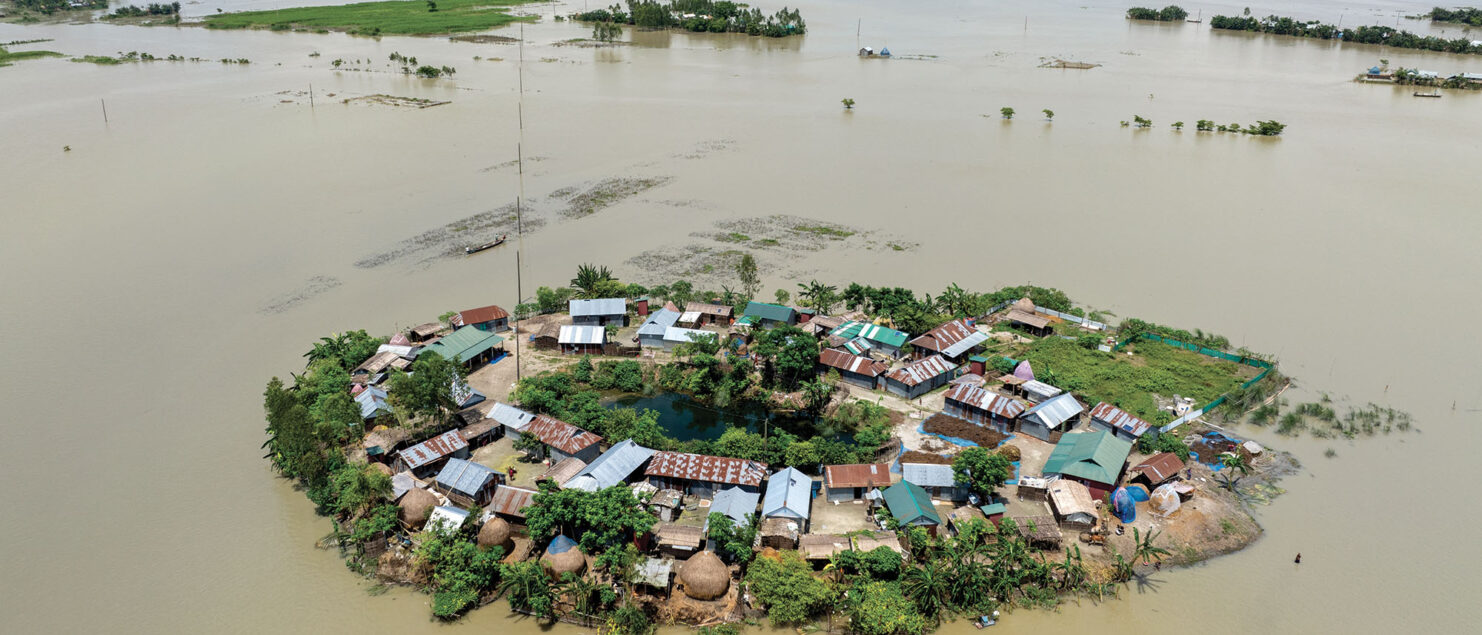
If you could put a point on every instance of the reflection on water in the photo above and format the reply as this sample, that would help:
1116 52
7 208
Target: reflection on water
684 418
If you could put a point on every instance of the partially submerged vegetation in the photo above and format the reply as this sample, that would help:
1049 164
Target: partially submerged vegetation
395 17
8 57
1170 13
700 16
1275 25
1461 15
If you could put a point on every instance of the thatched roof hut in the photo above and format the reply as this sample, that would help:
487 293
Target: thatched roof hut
704 576
416 506
562 556
495 533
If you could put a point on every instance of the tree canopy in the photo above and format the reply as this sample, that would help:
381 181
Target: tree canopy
983 472
597 520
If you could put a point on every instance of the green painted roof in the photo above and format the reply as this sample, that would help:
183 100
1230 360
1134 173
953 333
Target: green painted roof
746 320
978 358
1095 456
464 344
996 508
881 334
909 503
764 311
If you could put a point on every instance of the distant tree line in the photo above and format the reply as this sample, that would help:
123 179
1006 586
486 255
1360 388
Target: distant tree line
1466 15
1170 13
700 16
1382 35
131 11
49 7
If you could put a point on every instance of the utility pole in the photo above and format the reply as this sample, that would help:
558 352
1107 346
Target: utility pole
519 196
105 110
311 96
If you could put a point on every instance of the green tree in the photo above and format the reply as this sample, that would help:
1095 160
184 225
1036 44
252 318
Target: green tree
782 296
357 489
598 519
816 395
732 541
1049 114
461 571
880 608
1144 549
981 471
848 103
746 271
596 282
929 585
428 389
785 586
528 588
584 370
817 295
1008 113
346 350
1232 462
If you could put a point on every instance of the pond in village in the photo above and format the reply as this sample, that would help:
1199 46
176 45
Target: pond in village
685 418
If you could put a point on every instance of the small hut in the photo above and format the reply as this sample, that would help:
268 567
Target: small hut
562 556
495 533
416 506
704 576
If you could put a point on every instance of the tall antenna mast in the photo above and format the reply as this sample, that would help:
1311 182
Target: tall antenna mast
519 197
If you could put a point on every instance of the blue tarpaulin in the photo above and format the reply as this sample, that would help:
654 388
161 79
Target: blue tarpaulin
1123 505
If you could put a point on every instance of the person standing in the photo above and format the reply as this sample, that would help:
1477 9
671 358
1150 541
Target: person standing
1298 560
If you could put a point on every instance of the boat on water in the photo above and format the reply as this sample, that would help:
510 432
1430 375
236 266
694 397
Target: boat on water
1434 94
488 245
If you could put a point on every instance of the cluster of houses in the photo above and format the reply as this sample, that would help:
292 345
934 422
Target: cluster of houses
819 515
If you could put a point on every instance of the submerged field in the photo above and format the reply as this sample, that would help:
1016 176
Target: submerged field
8 57
375 18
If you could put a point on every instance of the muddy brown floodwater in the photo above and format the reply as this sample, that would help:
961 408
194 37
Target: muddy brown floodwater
191 247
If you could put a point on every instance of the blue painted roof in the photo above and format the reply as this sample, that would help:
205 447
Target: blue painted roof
657 322
465 477
788 495
737 504
613 467
371 400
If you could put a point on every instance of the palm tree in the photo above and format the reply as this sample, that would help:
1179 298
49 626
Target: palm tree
1232 461
854 295
529 588
816 394
1144 549
815 294
589 279
928 585
583 593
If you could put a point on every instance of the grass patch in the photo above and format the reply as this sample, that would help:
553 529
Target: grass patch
103 60
824 231
733 237
7 57
1130 381
769 242
376 18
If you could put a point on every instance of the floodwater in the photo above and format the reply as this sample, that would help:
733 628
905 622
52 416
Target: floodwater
684 418
195 244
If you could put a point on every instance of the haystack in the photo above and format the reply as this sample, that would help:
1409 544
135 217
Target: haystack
382 468
1010 452
1023 304
705 577
495 533
416 506
562 556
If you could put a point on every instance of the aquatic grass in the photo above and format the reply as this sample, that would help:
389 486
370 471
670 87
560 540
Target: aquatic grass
102 60
409 17
7 57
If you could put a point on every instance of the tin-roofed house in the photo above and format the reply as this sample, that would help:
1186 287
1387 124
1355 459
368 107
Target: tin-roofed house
651 333
1156 470
1073 505
920 377
853 482
489 318
789 497
372 402
861 337
736 504
938 480
1096 459
701 475
911 505
956 340
1022 315
467 483
561 440
510 418
1117 421
978 405
468 346
510 502
582 339
612 468
1038 391
1044 420
707 313
860 371
424 459
763 315
674 336
600 312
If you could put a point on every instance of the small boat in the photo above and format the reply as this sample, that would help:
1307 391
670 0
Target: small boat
488 245
1434 94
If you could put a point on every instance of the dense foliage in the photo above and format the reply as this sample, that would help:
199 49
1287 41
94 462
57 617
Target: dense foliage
1129 382
1154 442
982 471
1384 35
1132 328
785 586
1465 15
49 7
1170 13
598 521
131 11
732 540
378 18
700 16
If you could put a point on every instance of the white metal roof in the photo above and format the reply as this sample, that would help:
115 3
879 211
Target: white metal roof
585 334
510 416
603 306
928 474
965 344
678 334
788 494
445 518
657 322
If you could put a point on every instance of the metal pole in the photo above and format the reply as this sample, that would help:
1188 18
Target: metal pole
105 110
520 195
311 96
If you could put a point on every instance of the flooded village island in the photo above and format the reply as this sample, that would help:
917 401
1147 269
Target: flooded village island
620 456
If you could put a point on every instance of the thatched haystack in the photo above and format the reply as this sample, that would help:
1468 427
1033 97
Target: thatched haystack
495 533
416 506
562 556
1023 304
1010 452
705 577
382 468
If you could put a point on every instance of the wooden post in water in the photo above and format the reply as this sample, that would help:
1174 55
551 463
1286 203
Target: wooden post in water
311 96
105 109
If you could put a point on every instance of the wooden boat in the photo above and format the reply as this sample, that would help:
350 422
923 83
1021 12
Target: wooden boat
488 245
1434 94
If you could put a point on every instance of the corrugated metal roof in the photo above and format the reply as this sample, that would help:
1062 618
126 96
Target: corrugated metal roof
612 468
510 416
951 339
1119 419
603 306
872 332
710 469
401 483
928 474
718 310
1016 315
789 493
560 435
1041 388
372 400
922 370
444 519
657 322
764 311
433 449
852 363
479 315
1096 456
563 471
857 475
1056 410
689 317
377 362
981 399
1072 497
464 344
511 501
911 505
465 477
737 504
582 334
1160 467
682 335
